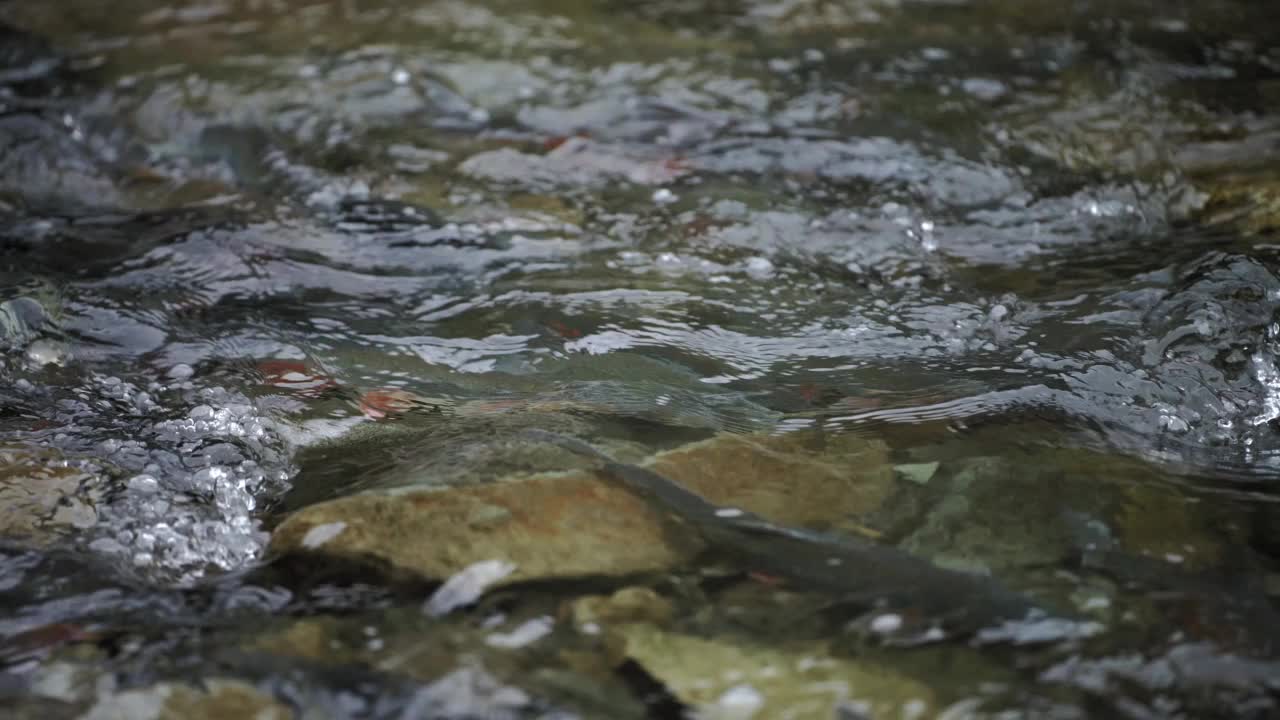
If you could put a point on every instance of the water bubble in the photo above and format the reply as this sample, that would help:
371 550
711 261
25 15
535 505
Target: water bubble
144 483
759 267
663 196
985 88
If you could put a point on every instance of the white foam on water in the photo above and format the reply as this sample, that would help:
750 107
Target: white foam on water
197 479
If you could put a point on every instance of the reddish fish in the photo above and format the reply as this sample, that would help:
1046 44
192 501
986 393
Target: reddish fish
385 402
295 376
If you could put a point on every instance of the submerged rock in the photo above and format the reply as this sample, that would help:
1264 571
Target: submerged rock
42 496
426 449
630 604
218 699
1250 204
548 526
453 666
41 162
722 678
781 478
20 319
1158 522
572 524
993 514
24 318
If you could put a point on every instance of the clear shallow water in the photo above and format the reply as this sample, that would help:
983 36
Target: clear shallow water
1029 243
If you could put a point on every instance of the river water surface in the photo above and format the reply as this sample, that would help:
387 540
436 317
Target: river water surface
946 308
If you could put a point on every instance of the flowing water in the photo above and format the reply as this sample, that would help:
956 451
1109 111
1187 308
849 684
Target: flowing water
984 290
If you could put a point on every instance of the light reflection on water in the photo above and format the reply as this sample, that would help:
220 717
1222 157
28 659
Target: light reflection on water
233 233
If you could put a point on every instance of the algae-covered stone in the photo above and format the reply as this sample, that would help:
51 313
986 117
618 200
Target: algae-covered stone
729 678
548 526
780 478
217 700
628 605
993 514
313 638
1162 523
1251 204
1043 507
42 496
405 643
559 525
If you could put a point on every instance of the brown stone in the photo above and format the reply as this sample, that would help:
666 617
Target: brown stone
780 478
628 605
574 524
41 496
549 526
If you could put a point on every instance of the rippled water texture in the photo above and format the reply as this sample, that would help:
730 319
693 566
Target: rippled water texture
940 340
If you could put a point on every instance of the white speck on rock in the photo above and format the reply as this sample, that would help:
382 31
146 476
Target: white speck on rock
886 623
526 633
663 196
739 702
321 534
759 267
914 708
466 586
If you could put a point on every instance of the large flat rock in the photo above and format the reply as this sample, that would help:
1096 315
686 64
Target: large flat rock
574 524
